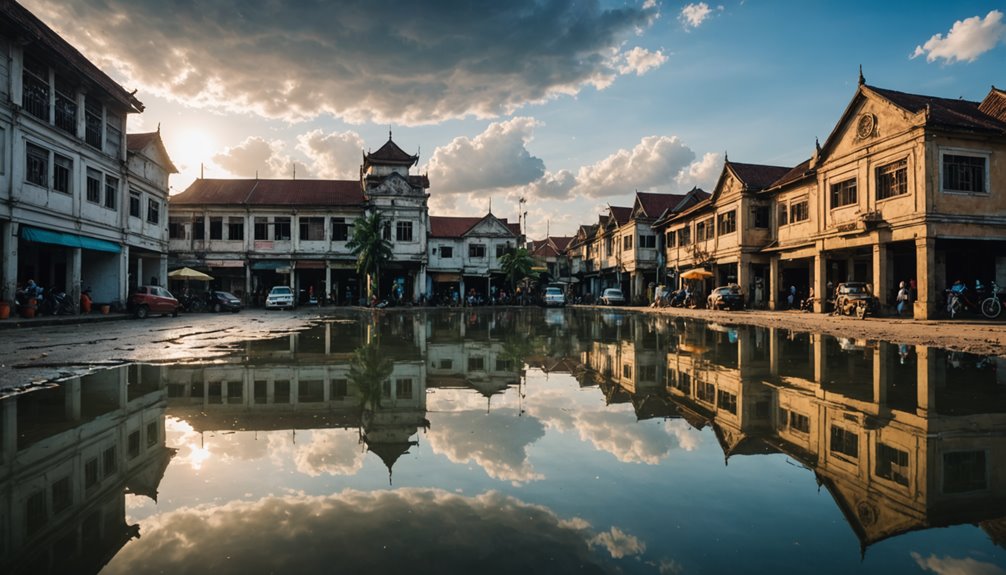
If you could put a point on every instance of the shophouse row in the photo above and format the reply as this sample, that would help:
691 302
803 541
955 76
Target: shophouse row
906 188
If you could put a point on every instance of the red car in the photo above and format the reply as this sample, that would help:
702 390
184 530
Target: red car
152 299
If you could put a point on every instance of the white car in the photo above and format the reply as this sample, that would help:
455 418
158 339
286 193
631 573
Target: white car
280 297
554 297
612 296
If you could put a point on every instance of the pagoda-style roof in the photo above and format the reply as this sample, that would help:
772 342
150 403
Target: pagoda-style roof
389 155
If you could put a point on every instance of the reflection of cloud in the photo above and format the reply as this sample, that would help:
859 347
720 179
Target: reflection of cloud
619 543
434 63
617 432
952 566
497 442
329 451
402 531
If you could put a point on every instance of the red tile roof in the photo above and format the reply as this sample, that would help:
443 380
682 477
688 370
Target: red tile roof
655 204
136 143
458 226
271 193
621 214
796 174
994 104
30 28
757 176
960 114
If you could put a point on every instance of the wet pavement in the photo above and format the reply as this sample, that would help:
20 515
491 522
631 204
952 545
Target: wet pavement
509 440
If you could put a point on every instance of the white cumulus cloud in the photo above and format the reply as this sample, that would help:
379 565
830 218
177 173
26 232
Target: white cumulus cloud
334 156
257 156
693 15
967 39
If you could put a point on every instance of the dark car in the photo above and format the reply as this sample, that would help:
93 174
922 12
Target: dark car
152 299
224 301
855 298
726 297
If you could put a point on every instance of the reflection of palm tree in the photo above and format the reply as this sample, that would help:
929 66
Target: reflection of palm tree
370 247
368 372
516 265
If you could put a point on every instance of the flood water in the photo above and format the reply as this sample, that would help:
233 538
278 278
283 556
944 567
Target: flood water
515 441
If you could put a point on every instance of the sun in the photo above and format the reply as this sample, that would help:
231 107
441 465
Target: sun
191 147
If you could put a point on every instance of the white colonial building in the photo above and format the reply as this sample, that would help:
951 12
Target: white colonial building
78 205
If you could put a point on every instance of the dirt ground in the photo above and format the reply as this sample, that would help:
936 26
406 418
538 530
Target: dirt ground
973 335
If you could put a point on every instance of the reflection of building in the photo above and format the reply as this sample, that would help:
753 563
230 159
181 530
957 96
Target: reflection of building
69 455
904 438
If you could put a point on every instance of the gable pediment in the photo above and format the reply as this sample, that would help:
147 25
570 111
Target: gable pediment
489 226
394 184
868 119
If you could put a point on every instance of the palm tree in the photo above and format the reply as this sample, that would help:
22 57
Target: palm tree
368 371
370 247
516 265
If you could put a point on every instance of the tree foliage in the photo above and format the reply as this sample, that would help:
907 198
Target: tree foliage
516 265
369 246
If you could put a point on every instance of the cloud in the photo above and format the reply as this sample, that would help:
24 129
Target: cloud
335 156
300 60
967 40
693 15
552 185
952 566
497 442
640 61
651 164
302 534
257 156
329 452
703 173
495 159
619 544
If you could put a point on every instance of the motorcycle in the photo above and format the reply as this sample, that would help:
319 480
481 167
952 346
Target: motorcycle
56 303
960 298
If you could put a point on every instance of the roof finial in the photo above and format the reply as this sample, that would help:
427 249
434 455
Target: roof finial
862 80
817 145
159 125
726 158
389 133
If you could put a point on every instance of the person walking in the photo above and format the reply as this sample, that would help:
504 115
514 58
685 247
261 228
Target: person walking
903 298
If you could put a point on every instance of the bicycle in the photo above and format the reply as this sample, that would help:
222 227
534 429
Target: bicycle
991 306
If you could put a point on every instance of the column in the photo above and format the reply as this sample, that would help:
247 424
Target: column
141 278
773 282
927 303
71 398
820 273
8 273
774 350
328 284
743 278
881 372
929 376
8 419
124 275
881 277
249 299
73 278
820 358
162 270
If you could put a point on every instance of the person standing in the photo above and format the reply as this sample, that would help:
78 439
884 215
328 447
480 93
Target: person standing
903 297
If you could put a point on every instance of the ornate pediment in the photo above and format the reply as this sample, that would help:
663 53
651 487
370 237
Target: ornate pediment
394 185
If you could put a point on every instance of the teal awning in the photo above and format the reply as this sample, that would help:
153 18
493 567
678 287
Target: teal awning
69 240
269 264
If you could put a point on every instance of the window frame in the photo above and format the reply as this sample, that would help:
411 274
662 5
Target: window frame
726 223
41 156
476 251
135 203
986 158
887 175
841 191
153 211
111 193
403 231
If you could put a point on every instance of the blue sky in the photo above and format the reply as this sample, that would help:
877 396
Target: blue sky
573 105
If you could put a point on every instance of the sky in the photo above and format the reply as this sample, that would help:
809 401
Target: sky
572 105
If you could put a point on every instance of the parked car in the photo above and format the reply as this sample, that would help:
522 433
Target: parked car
726 297
224 301
280 297
612 296
146 300
554 297
855 298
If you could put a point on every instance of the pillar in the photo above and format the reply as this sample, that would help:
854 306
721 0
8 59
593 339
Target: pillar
124 283
881 274
744 278
773 282
927 302
8 419
820 358
8 273
774 350
881 373
929 377
71 398
248 283
328 284
73 264
162 269
820 273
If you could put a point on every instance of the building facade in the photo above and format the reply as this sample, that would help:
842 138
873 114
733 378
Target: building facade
68 173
